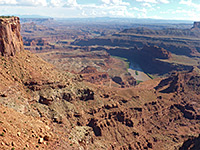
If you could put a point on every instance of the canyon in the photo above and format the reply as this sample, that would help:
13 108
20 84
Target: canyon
50 106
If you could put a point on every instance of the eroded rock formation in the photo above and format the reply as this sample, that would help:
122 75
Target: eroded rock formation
91 74
36 42
10 37
196 25
157 52
60 109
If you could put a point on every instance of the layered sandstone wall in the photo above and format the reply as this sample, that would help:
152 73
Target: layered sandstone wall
157 52
10 37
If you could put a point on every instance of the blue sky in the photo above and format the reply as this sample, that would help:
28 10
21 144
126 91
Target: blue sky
157 9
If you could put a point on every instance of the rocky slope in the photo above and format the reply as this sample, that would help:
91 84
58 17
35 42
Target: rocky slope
24 132
90 74
44 108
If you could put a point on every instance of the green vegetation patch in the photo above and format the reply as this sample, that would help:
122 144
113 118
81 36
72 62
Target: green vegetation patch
122 58
136 73
150 76
2 134
138 81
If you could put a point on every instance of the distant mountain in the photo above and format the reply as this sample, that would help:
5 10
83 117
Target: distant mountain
33 16
165 32
128 20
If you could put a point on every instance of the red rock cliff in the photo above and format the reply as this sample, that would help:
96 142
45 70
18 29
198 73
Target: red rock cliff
157 52
10 37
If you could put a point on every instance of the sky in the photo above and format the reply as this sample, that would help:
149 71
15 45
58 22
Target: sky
155 9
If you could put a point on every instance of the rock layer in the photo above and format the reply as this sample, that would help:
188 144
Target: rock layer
10 37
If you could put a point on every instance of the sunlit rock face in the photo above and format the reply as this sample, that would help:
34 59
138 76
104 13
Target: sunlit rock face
10 37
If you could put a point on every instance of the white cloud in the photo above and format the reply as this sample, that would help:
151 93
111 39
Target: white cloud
147 1
186 2
24 2
71 3
154 1
32 2
113 8
8 2
56 3
189 14
141 12
44 3
182 14
60 3
164 1
155 17
144 10
114 2
103 10
191 4
146 5
106 1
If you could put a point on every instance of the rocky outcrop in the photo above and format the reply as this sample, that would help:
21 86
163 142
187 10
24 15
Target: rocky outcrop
125 80
157 52
35 42
180 82
89 69
82 135
10 38
90 74
196 26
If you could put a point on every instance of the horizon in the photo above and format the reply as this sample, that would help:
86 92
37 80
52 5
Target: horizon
84 18
187 10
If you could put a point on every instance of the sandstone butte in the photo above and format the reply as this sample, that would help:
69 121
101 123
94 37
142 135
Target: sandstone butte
196 26
43 108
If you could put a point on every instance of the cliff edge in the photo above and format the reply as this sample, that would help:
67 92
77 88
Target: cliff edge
10 37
